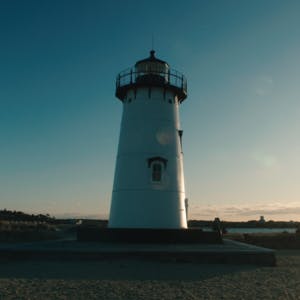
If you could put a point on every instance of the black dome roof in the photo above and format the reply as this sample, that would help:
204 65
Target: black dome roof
151 58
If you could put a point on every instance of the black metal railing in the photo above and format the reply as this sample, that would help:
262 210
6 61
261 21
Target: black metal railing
132 76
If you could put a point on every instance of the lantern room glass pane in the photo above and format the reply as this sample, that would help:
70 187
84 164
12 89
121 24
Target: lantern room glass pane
152 67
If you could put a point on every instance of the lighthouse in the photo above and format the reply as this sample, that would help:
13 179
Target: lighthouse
149 190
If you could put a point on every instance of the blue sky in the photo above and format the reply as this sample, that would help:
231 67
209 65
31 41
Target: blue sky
59 119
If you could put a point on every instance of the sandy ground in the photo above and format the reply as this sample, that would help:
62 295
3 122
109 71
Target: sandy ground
134 279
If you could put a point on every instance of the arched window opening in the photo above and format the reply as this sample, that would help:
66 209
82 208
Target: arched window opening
157 167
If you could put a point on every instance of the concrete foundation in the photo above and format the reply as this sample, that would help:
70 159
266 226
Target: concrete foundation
143 235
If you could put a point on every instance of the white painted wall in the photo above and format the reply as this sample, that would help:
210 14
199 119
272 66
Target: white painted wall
149 128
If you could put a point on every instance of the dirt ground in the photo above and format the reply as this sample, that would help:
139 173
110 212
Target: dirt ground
137 279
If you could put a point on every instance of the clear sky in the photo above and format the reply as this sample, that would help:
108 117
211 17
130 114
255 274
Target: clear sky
59 119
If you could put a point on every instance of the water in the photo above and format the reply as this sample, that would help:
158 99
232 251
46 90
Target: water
257 230
260 230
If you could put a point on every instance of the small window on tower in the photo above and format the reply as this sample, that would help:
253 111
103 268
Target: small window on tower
157 166
156 172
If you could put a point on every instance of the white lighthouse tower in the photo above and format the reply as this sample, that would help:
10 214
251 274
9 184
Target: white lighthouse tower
148 190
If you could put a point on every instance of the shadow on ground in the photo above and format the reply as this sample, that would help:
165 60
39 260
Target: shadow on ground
120 269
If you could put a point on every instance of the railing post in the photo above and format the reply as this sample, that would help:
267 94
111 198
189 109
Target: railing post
130 76
169 76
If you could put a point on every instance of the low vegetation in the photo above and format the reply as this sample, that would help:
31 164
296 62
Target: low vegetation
17 226
281 240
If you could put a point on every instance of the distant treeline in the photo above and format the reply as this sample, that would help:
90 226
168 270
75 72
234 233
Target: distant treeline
247 224
9 215
19 216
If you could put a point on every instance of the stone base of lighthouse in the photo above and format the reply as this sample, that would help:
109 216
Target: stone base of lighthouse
145 235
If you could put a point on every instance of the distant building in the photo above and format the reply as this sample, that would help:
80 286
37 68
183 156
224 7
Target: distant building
262 219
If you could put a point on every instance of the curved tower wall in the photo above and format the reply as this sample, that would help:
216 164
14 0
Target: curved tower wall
149 134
